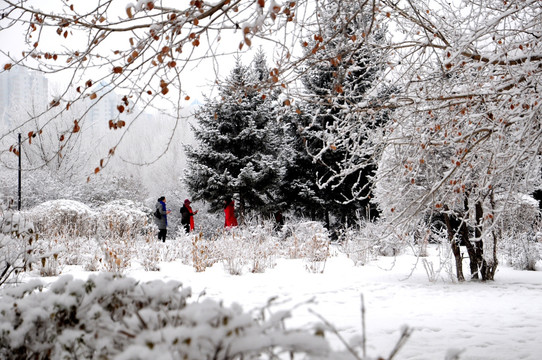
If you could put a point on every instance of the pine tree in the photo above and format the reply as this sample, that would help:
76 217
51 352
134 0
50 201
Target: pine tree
239 151
340 76
299 189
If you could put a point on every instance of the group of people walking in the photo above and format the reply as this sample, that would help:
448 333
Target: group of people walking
187 216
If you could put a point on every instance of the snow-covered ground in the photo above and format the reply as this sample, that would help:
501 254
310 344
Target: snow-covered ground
501 319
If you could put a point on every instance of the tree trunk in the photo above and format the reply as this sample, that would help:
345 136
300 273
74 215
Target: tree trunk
455 248
490 266
479 244
464 233
465 240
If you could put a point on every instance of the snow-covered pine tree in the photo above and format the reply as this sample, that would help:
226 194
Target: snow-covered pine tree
239 151
299 188
341 77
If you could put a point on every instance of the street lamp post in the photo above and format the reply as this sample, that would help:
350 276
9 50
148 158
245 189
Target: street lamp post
20 171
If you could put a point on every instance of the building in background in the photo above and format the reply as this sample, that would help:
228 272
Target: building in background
104 109
23 93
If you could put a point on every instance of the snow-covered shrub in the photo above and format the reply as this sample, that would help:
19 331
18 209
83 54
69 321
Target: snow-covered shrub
358 243
204 252
123 218
308 240
123 227
18 245
523 252
102 240
521 223
63 216
245 248
295 234
263 248
316 252
234 253
47 184
392 244
150 252
117 254
369 239
47 252
113 253
109 316
250 248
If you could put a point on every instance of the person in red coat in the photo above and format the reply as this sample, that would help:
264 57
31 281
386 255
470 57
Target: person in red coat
229 212
187 216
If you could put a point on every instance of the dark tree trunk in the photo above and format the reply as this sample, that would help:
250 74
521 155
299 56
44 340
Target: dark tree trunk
464 233
455 248
465 240
479 244
490 267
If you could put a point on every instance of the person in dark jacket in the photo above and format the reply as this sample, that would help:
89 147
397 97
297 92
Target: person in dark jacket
229 212
161 222
187 216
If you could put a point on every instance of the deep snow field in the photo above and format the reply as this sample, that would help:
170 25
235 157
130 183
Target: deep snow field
501 319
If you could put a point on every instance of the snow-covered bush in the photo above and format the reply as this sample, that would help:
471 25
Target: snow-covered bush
117 254
63 216
109 316
392 244
80 251
205 253
17 245
523 252
48 254
296 233
235 255
358 242
254 247
244 248
308 240
105 239
369 239
72 218
263 248
521 223
150 252
250 248
123 218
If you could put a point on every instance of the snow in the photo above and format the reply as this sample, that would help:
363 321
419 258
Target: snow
471 320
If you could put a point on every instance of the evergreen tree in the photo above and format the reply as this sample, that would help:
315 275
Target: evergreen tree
239 151
299 189
341 74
